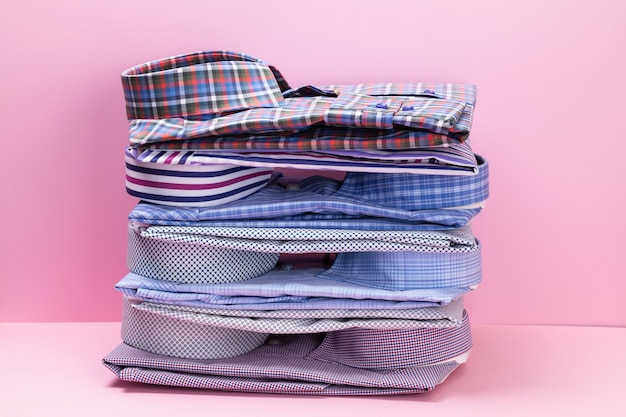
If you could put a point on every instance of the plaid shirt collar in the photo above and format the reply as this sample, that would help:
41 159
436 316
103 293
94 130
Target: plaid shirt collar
200 86
225 93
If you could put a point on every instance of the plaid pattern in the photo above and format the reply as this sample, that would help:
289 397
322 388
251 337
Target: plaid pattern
465 93
418 192
440 219
199 85
357 110
400 271
229 94
288 365
382 112
276 202
324 138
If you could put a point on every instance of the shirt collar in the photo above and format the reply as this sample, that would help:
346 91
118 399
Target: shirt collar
200 86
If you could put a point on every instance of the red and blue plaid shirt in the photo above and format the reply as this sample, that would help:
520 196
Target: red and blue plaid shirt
232 96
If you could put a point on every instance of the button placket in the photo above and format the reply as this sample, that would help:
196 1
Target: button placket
359 110
429 113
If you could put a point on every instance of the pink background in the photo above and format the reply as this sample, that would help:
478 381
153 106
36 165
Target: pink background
549 114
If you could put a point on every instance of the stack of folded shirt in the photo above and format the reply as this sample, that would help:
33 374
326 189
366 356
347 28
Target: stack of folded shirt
245 279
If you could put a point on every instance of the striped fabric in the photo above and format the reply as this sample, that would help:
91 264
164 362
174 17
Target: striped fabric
166 179
200 84
453 160
322 198
307 364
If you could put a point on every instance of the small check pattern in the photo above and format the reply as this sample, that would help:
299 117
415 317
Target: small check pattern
174 336
304 364
199 85
451 313
288 287
200 336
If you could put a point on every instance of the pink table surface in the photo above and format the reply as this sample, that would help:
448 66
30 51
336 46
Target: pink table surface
54 369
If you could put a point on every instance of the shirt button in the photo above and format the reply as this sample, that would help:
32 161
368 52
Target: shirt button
382 106
407 108
429 92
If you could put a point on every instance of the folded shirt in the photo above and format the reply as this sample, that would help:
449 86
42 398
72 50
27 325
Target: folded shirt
292 321
345 362
289 289
386 259
379 201
455 159
235 94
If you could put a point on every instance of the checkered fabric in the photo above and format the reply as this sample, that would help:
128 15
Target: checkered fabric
175 336
382 112
291 289
287 325
438 220
465 93
185 334
225 93
398 271
417 192
288 364
348 110
451 313
199 85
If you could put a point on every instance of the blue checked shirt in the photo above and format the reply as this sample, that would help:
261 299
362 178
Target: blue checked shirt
365 202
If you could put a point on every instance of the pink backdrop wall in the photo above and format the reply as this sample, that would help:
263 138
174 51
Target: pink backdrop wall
549 119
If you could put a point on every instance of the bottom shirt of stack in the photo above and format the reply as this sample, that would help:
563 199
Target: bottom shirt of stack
353 361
